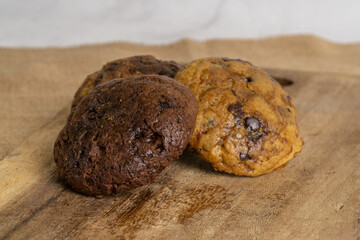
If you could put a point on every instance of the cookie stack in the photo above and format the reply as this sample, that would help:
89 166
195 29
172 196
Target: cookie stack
130 119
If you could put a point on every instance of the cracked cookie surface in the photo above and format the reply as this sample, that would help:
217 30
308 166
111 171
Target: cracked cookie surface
246 123
123 68
124 133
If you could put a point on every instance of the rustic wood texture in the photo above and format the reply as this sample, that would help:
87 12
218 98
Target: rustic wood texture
317 196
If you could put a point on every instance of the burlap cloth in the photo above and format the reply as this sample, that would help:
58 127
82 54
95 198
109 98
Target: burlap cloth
36 83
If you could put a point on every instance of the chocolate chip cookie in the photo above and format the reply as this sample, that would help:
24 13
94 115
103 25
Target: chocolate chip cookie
126 67
246 123
124 133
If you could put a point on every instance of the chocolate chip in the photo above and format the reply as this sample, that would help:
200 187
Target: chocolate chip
112 66
232 59
181 119
167 104
233 92
220 64
254 136
236 109
288 110
212 123
248 79
98 79
288 99
244 156
252 123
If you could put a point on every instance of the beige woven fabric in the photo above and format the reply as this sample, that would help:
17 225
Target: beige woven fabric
36 83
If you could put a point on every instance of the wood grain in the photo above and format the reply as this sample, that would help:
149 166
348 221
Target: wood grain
317 196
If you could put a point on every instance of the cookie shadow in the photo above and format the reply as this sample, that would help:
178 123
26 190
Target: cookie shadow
284 82
190 160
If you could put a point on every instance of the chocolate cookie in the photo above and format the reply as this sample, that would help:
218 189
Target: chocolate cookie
246 123
124 133
126 67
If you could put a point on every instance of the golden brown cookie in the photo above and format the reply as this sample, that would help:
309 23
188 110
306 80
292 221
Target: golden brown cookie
123 68
246 123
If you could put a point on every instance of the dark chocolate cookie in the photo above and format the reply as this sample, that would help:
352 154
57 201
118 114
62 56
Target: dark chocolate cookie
124 133
126 67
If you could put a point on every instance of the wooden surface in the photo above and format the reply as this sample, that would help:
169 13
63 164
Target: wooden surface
317 196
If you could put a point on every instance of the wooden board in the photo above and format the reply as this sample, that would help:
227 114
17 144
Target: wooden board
317 196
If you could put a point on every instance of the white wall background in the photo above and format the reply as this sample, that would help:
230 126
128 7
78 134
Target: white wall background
73 22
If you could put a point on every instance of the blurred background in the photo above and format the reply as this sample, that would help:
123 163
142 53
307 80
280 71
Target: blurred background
63 23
